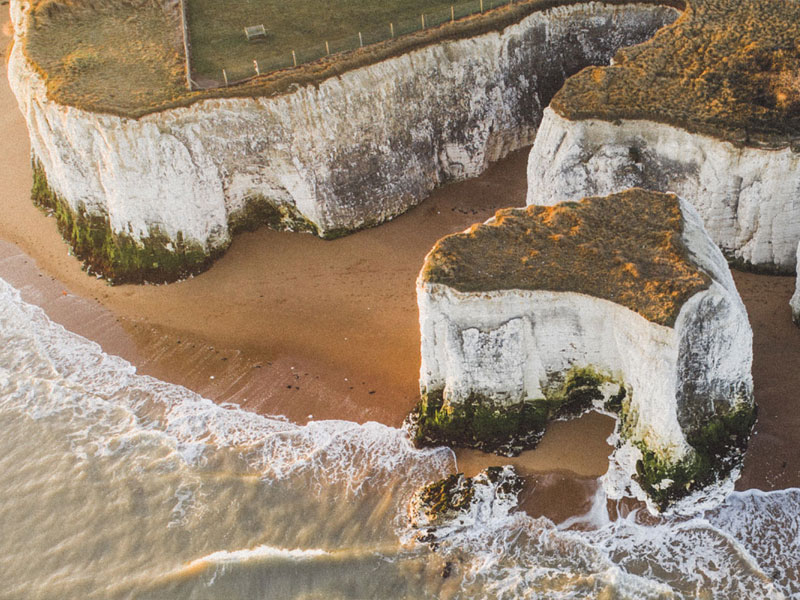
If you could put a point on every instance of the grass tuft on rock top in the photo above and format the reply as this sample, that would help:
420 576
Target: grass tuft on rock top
593 247
118 257
481 423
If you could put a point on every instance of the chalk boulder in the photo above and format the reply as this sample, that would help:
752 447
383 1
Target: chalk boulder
709 109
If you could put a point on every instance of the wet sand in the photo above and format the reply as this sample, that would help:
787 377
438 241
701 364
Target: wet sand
289 324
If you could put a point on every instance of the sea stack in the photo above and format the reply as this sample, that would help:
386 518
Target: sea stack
621 303
708 109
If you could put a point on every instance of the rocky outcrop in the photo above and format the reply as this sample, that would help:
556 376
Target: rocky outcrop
620 303
748 197
347 153
457 503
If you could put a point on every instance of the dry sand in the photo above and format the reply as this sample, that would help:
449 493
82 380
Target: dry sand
290 324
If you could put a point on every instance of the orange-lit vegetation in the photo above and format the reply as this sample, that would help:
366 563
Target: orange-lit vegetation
626 248
126 57
727 68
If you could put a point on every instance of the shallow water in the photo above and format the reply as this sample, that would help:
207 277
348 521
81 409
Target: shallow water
117 485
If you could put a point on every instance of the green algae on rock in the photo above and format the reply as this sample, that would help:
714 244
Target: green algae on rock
115 256
460 502
717 448
480 422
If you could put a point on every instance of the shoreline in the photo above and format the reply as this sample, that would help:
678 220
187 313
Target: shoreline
290 324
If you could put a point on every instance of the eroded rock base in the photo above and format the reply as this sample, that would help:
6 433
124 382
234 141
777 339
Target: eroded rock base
482 423
458 502
115 256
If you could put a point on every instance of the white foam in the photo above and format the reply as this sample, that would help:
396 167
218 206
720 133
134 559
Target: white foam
748 547
259 553
110 407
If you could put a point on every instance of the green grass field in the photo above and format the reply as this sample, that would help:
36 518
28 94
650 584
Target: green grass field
218 41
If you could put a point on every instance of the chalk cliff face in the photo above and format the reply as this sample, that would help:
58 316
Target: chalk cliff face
795 301
351 152
749 198
526 355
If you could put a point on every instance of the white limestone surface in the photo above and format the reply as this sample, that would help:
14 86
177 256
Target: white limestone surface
350 152
749 198
509 345
795 301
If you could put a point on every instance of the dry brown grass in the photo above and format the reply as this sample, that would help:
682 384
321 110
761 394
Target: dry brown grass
110 56
136 66
626 248
727 68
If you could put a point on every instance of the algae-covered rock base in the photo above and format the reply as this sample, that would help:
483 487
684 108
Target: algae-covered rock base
119 257
331 155
459 502
619 303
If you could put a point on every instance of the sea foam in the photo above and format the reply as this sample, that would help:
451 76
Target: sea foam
138 440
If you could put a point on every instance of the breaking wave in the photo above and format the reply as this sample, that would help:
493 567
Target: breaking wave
118 485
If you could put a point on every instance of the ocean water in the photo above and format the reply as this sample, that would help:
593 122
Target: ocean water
116 485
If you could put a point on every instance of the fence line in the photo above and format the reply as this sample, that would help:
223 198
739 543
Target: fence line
363 39
186 45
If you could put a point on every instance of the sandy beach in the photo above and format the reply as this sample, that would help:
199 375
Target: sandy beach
293 325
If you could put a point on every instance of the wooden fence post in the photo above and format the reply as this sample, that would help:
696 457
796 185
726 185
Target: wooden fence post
255 63
422 16
225 77
452 14
327 48
294 58
391 28
360 40
481 5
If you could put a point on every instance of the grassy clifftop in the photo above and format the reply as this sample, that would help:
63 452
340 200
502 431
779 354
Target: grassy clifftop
726 68
126 57
626 248
116 56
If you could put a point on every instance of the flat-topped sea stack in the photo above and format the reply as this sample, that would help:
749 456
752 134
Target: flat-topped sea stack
621 303
150 181
708 109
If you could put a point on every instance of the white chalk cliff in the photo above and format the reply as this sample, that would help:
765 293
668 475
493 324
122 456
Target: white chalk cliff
351 152
749 198
508 346
795 301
